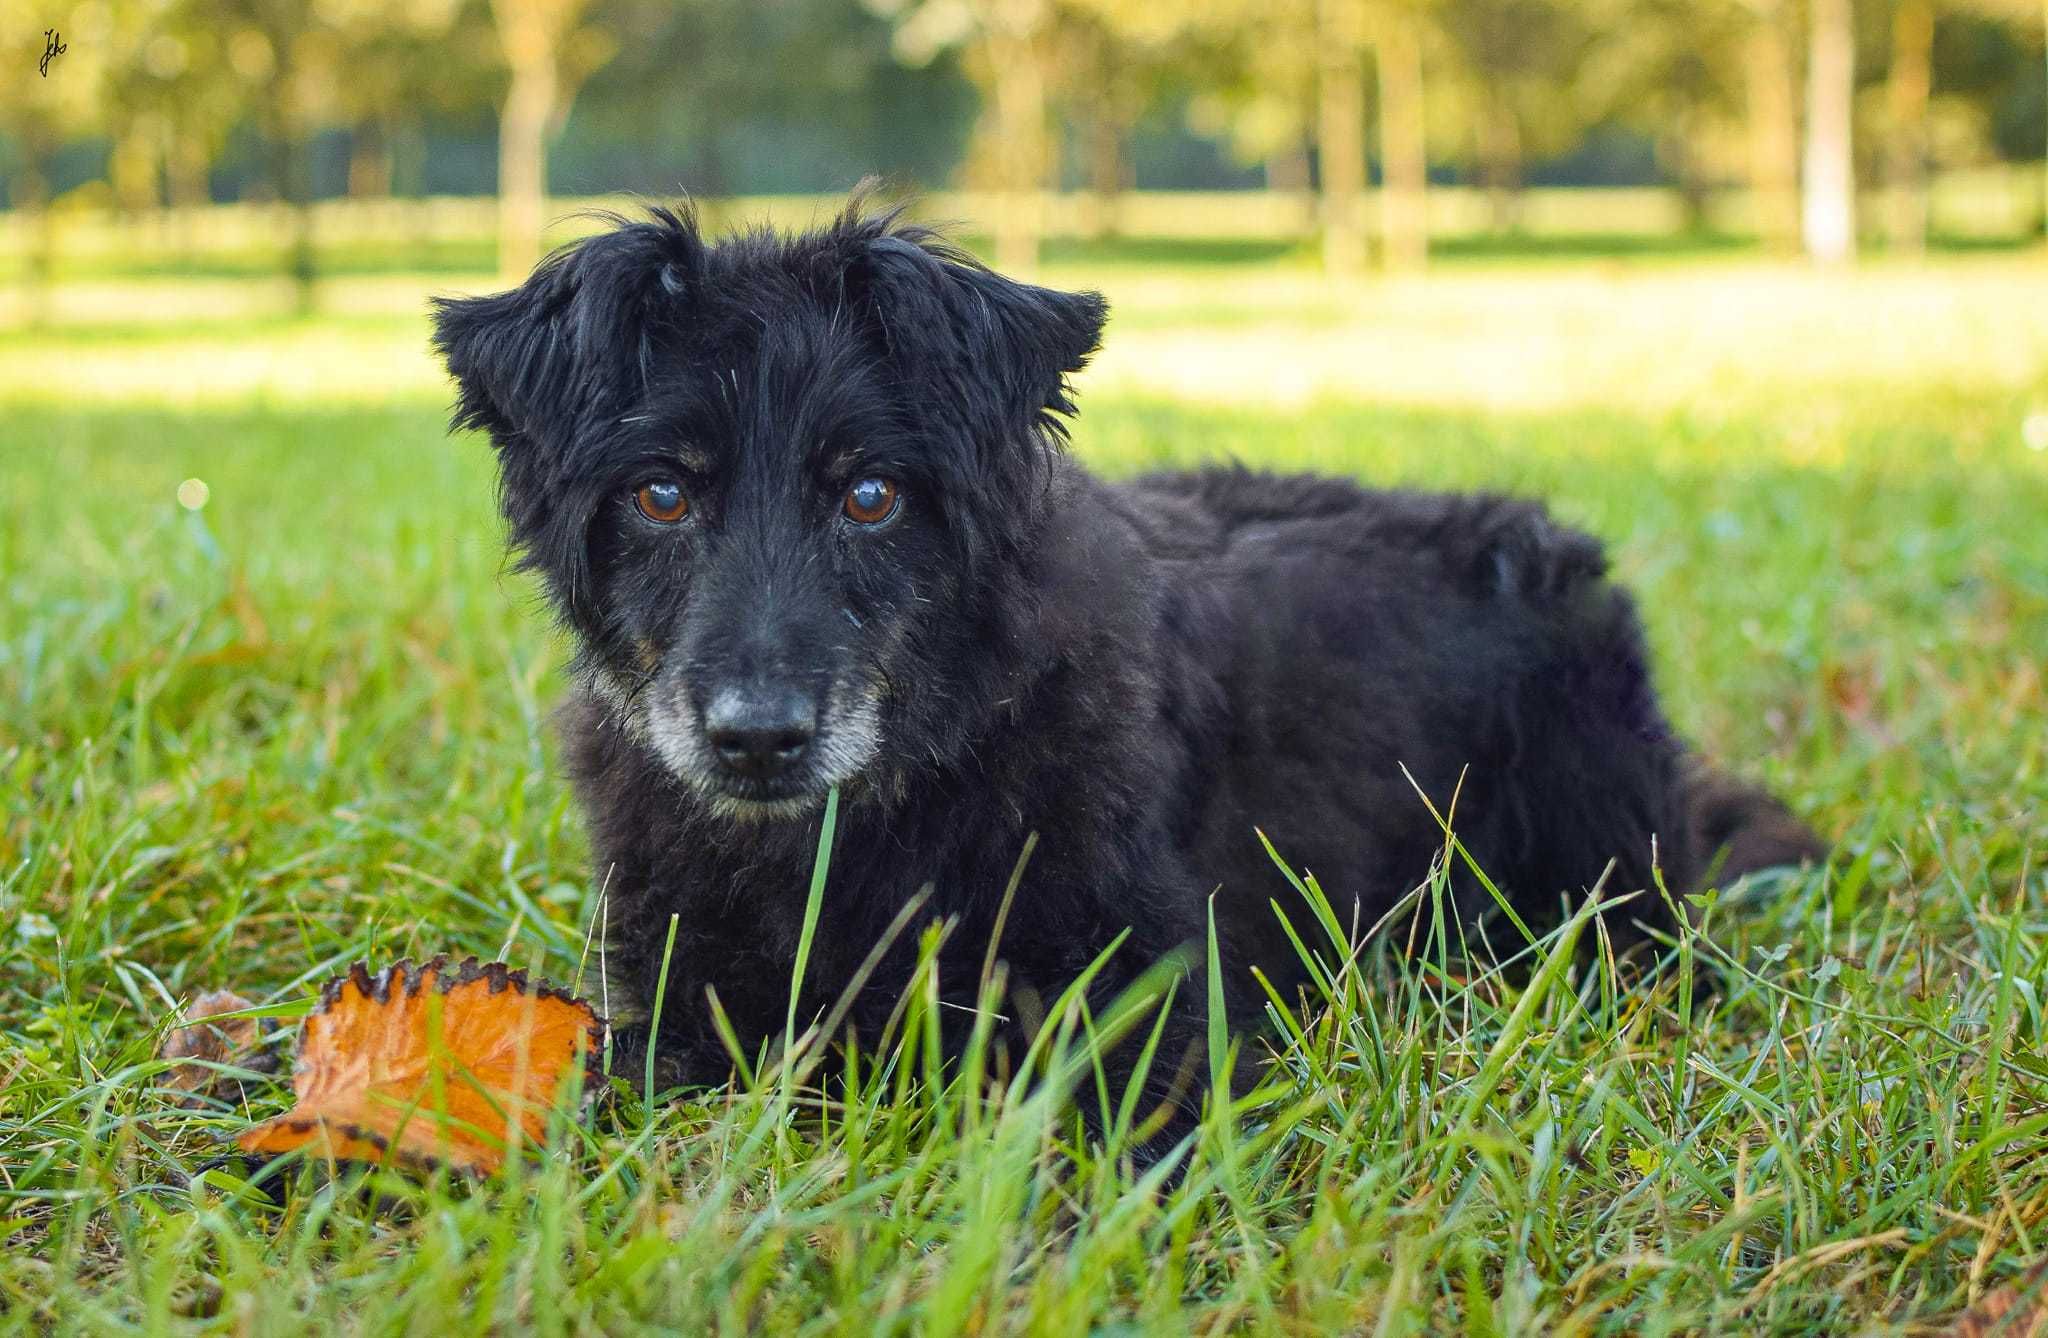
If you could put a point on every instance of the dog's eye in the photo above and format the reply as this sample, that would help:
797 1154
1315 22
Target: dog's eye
662 501
871 501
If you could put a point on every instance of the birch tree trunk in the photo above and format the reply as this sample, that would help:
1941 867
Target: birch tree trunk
1404 150
1907 89
1830 200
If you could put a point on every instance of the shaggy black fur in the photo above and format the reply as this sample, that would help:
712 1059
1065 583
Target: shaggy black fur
1139 673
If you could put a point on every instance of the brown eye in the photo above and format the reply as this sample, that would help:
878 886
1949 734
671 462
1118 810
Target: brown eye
663 501
871 501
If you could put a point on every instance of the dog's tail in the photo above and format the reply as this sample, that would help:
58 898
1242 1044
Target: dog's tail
1738 828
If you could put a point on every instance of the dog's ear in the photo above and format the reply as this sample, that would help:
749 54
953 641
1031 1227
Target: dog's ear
988 352
575 340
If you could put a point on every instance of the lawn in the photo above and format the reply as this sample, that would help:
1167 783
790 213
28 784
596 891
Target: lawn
305 724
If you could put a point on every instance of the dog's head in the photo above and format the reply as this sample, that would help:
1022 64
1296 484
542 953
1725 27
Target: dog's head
762 478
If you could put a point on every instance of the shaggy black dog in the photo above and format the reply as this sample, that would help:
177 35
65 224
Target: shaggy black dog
802 502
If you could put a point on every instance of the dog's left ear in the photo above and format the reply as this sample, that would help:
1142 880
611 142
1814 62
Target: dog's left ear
991 354
574 340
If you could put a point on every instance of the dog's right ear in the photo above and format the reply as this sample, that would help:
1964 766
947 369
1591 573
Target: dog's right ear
574 341
992 354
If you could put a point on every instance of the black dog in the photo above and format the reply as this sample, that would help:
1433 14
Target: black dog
802 503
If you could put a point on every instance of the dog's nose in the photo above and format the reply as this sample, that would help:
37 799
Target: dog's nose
759 734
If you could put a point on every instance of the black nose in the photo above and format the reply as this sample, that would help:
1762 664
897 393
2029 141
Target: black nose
759 735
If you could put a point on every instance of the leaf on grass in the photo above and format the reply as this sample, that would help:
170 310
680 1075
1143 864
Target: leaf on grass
2017 1310
202 1038
431 1065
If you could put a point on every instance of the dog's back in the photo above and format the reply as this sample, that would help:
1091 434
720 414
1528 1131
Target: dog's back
1376 648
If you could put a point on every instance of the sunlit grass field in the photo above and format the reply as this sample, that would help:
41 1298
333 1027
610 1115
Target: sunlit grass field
305 724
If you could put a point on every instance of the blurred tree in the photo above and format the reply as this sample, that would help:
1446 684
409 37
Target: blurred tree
2044 109
1340 131
177 92
1124 57
1255 88
1404 143
1771 98
1713 84
134 127
1013 57
1908 85
291 56
1672 70
1829 224
1108 100
405 59
44 106
2024 13
1017 52
689 100
1293 69
549 50
1516 90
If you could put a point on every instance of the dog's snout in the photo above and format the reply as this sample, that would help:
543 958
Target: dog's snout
759 734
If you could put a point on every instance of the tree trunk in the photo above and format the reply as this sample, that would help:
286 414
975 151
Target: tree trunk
1773 131
1106 168
186 187
1907 90
1404 149
1500 161
1287 175
298 194
1340 99
1017 69
522 156
132 165
30 196
292 178
1690 173
369 160
1830 204
185 170
408 143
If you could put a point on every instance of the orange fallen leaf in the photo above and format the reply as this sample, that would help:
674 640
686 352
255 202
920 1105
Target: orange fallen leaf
430 1065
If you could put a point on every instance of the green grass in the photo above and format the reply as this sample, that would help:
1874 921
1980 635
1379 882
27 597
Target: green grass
306 725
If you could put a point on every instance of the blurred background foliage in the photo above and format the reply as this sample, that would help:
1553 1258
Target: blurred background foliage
1784 123
1348 109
